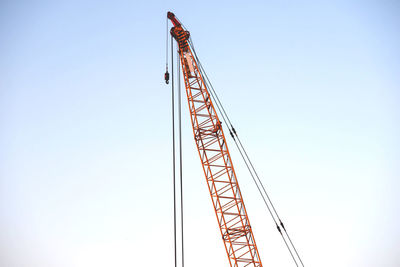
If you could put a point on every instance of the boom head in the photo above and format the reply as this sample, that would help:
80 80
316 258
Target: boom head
174 20
179 34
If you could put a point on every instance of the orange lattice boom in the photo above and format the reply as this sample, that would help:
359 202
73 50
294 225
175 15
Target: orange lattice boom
217 164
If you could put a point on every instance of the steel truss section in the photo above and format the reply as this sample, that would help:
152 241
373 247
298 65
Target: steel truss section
221 179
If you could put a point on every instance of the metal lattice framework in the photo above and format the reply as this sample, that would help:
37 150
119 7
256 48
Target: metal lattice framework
216 161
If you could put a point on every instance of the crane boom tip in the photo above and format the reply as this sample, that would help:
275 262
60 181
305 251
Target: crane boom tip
174 20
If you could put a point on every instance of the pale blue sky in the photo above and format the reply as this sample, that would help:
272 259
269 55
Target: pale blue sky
85 141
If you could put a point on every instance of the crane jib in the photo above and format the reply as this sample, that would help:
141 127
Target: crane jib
227 200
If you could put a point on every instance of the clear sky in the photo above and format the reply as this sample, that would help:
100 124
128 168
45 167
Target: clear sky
85 143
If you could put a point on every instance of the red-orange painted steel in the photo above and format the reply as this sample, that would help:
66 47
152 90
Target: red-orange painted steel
220 175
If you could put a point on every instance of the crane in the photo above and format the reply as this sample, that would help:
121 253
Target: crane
227 199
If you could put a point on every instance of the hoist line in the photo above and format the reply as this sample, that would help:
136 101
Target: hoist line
240 147
173 145
174 153
180 149
166 47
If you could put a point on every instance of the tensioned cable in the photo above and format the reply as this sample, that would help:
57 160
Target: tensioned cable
272 205
180 149
246 157
269 209
173 144
240 147
166 47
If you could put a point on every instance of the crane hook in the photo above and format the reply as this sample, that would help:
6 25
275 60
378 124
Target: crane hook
166 77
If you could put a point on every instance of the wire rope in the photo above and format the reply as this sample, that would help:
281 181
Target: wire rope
246 158
180 151
166 47
173 148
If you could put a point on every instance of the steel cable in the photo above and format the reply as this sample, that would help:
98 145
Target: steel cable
180 150
173 147
246 158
